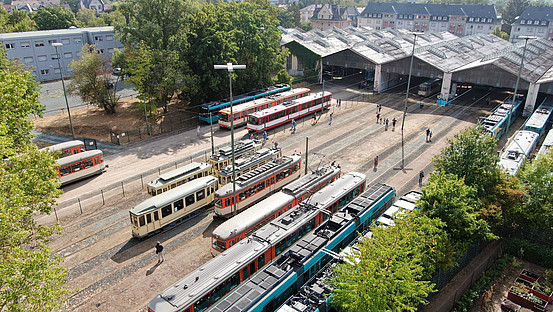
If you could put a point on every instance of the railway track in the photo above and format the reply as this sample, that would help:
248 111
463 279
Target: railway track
112 271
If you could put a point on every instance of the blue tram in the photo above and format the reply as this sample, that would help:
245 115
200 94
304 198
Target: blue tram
537 122
496 123
212 108
271 286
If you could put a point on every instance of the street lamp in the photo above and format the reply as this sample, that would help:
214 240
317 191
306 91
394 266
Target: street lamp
518 79
406 101
230 68
56 45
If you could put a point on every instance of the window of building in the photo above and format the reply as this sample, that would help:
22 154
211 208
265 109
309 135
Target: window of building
98 38
536 22
54 56
110 50
489 20
522 22
9 46
77 40
42 58
45 72
25 44
68 55
109 37
28 59
101 51
529 29
52 41
57 71
65 41
541 30
471 19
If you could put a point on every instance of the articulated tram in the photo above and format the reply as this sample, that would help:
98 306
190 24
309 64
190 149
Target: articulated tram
223 157
504 115
66 148
80 166
284 113
207 284
255 185
159 211
241 111
177 177
248 163
245 223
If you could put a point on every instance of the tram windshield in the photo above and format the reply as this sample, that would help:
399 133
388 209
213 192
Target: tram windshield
223 116
253 120
218 245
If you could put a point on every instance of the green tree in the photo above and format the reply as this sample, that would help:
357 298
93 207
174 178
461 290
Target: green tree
512 9
472 157
17 21
306 26
92 80
113 18
89 18
289 17
537 180
54 17
448 198
392 270
32 277
501 34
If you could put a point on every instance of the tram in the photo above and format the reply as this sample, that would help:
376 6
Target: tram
66 148
241 111
207 284
316 295
271 286
430 87
159 211
538 121
255 185
495 124
547 143
211 109
80 166
284 113
177 177
522 146
245 223
223 157
246 164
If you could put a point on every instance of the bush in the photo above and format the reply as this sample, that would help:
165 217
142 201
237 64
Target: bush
532 252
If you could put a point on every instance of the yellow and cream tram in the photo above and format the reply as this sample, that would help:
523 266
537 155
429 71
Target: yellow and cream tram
156 212
177 177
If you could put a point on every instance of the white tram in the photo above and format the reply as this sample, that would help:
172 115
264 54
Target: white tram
156 212
254 185
522 146
284 113
177 177
79 166
66 148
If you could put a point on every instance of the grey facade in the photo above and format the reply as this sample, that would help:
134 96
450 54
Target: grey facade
534 21
35 49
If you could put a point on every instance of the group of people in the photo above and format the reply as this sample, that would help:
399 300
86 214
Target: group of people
381 120
428 135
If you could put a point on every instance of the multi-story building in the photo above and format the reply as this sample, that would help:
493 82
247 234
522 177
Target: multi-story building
458 19
35 49
534 21
326 16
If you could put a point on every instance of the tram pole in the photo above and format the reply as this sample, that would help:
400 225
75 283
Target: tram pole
230 68
211 129
518 80
405 106
306 152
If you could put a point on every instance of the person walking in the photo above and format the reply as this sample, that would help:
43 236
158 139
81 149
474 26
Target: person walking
427 134
430 136
330 123
394 124
377 117
294 124
198 131
159 252
386 122
421 176
264 136
375 162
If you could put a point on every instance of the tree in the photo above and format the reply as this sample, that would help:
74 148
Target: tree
32 277
17 21
113 18
54 17
472 157
89 18
537 180
448 198
512 9
392 270
92 80
501 34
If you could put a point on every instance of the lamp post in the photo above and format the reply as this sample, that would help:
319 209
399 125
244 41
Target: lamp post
405 106
518 79
56 45
230 68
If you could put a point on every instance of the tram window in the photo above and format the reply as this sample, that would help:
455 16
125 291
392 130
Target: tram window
260 261
159 191
244 273
181 182
218 292
173 185
156 215
148 218
165 189
200 195
233 281
178 205
76 167
260 186
165 211
202 304
304 106
65 171
87 163
272 180
242 196
189 200
141 220
252 267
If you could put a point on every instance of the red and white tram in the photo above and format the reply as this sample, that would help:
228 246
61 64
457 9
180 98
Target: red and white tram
281 114
241 111
254 185
79 166
66 148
